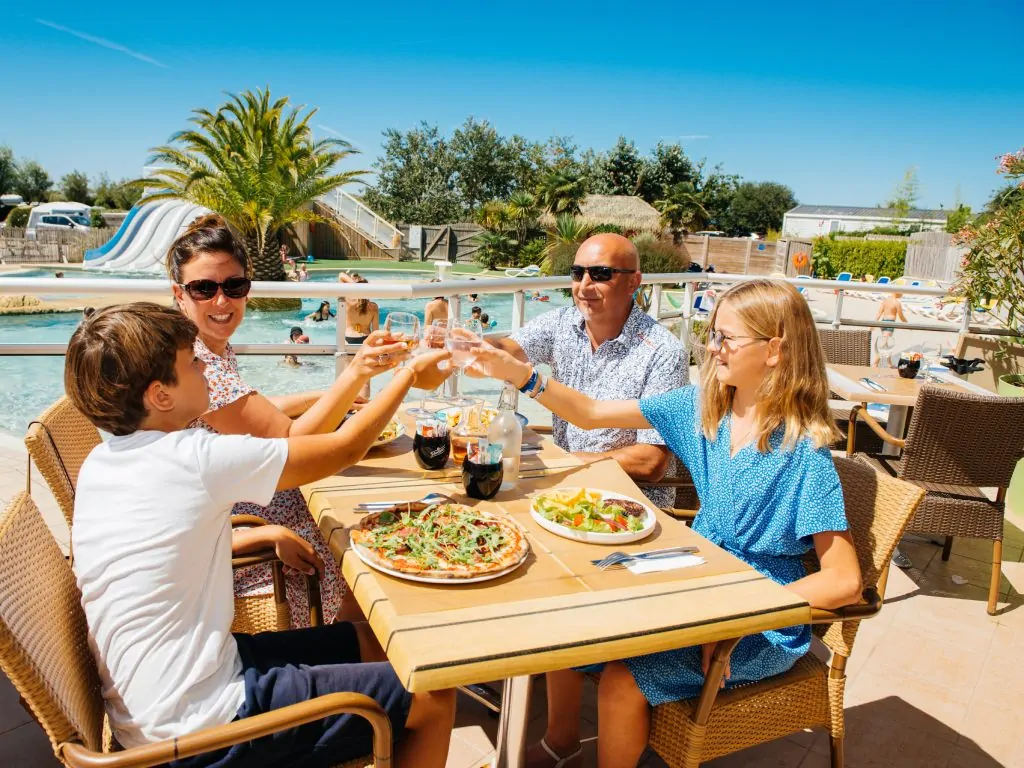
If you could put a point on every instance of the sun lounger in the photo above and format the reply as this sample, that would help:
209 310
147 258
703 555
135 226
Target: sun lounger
531 271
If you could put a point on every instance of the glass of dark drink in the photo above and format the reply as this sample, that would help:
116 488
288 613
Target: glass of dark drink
482 481
431 444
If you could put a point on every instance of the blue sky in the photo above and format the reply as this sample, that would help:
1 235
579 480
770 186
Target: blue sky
836 103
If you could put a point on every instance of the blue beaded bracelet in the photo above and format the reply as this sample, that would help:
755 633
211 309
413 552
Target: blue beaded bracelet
530 382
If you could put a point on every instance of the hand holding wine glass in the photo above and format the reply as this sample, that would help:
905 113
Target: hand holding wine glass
464 338
404 327
378 354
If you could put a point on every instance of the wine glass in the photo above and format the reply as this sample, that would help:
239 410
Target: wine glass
884 347
434 337
464 338
403 327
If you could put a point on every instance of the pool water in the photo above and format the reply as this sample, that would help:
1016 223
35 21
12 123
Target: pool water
29 384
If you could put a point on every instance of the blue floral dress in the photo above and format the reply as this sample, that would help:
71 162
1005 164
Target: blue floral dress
763 508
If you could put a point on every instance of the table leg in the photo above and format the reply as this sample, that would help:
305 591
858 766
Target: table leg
895 426
515 714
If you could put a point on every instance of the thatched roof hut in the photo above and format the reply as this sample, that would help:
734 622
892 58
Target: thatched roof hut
631 213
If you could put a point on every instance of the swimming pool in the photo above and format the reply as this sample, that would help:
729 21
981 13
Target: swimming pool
29 384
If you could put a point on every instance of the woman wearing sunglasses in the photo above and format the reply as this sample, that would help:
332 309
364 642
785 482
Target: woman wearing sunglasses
755 436
208 270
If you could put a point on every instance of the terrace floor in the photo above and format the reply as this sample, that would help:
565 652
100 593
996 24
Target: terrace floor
934 680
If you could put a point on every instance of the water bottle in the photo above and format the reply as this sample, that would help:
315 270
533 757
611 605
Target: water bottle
508 433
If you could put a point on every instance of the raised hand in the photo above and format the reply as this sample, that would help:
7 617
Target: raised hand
498 364
295 552
379 353
425 364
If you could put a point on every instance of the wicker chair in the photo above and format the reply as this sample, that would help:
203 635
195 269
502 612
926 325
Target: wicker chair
59 442
846 346
44 650
957 444
686 733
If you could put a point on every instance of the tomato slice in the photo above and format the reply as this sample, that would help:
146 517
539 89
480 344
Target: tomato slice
577 521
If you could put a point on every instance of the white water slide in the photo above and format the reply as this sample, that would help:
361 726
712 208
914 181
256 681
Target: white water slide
142 241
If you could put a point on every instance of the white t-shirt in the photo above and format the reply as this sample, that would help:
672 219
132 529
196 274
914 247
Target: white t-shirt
152 554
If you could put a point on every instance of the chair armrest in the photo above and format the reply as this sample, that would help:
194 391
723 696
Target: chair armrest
541 429
870 605
253 558
686 515
851 434
666 483
247 729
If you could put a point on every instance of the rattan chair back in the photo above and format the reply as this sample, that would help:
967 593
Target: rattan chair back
846 346
58 442
963 439
44 646
878 510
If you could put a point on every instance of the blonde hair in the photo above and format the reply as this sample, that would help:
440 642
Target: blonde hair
792 395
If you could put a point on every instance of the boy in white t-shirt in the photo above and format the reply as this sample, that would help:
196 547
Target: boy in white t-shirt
152 546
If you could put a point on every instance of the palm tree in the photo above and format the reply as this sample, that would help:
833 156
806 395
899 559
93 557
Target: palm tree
561 192
563 241
522 214
682 210
255 162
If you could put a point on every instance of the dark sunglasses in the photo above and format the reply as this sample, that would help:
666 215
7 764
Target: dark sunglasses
204 290
597 274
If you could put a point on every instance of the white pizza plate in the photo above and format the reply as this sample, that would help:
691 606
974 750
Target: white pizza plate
401 431
590 537
435 579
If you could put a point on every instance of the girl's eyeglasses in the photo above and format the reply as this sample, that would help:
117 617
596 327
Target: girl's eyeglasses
204 290
716 339
597 274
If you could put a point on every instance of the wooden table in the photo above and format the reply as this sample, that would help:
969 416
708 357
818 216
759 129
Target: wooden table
554 612
900 394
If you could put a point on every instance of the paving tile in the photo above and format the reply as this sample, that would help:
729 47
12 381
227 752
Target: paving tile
962 757
925 705
960 622
905 652
996 729
780 753
877 737
977 572
27 747
12 714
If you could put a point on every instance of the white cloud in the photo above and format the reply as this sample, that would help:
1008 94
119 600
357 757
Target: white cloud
104 43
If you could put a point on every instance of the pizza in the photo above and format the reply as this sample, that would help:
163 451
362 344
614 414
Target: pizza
440 541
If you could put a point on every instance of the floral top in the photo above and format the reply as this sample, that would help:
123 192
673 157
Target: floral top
287 508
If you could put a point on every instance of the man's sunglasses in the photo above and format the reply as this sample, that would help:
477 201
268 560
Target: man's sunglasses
597 274
204 290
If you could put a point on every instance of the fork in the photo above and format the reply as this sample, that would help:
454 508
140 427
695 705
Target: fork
430 498
621 558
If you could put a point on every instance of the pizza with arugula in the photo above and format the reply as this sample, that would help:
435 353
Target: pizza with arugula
440 541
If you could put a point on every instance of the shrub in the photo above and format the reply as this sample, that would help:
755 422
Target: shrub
531 253
659 256
96 219
861 257
18 218
614 229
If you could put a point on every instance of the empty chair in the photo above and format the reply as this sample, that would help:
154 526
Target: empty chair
957 444
846 346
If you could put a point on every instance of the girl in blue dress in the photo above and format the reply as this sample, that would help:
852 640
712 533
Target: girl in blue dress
755 437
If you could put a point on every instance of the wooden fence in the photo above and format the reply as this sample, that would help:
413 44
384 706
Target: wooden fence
451 242
932 256
736 255
50 246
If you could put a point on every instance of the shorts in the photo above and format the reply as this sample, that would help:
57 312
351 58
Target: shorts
282 668
355 339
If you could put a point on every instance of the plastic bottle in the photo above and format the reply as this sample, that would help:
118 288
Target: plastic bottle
507 432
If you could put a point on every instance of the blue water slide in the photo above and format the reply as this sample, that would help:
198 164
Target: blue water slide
131 223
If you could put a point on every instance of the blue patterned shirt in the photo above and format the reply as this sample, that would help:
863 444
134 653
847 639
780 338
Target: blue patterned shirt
642 361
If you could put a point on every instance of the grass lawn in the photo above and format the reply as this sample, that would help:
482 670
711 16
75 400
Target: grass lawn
400 266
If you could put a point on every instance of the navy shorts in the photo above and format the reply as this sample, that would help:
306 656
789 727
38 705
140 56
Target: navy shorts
282 668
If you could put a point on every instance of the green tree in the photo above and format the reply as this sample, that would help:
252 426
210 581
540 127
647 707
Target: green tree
485 163
256 163
716 190
522 215
8 171
564 240
618 171
667 165
758 207
959 218
415 178
682 210
561 192
33 182
74 186
905 195
18 218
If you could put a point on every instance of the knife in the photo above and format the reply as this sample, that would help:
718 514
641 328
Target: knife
873 384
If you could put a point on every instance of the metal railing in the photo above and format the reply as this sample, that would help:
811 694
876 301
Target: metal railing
363 219
456 289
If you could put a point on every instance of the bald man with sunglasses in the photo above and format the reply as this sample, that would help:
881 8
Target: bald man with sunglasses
608 348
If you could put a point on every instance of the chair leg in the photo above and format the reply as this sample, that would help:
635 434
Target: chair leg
947 548
997 570
837 676
883 579
835 752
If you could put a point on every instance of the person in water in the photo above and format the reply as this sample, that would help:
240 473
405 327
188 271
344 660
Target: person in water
322 313
360 315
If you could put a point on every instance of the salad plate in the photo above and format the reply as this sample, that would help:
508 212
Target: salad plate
593 515
394 430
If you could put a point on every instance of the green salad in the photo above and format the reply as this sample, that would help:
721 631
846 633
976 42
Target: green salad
585 510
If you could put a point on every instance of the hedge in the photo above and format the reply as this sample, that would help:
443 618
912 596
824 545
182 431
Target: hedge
861 257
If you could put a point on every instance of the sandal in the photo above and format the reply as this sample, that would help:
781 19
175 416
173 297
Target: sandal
560 762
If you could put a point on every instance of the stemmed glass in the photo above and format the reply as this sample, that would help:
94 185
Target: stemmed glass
403 326
434 337
464 338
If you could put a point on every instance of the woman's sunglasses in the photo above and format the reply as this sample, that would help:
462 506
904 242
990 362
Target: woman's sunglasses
597 274
204 290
